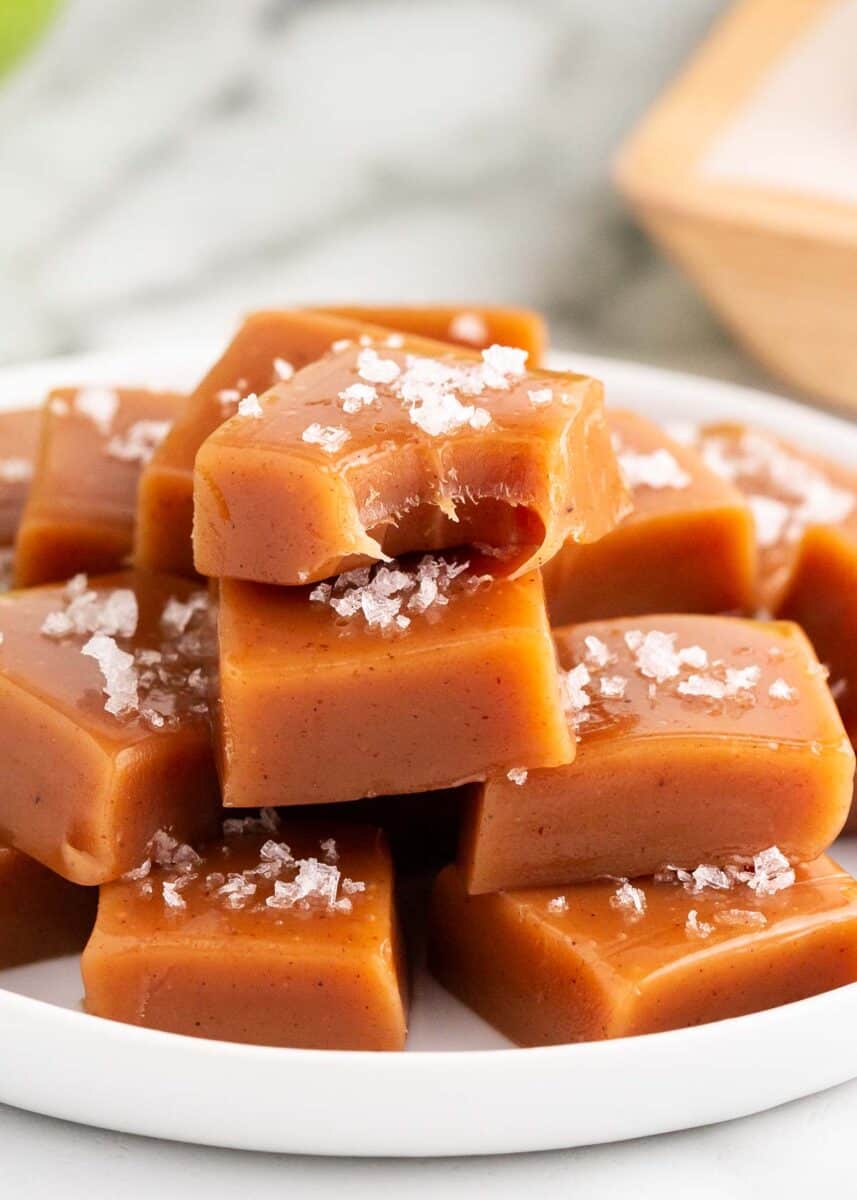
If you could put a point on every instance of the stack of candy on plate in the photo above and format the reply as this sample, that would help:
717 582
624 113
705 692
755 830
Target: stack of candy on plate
382 579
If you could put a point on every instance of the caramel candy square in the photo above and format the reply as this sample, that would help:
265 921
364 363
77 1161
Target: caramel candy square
103 729
610 959
702 739
478 327
41 915
369 454
82 504
397 680
269 346
788 490
687 546
284 938
19 437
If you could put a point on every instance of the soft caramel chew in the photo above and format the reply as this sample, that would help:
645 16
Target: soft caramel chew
687 546
284 938
477 326
267 348
41 915
19 436
337 468
701 739
606 960
325 696
84 785
788 490
83 500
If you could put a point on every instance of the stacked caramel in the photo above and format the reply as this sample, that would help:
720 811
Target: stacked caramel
392 574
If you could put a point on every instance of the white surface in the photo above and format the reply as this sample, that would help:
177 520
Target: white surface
798 129
459 1094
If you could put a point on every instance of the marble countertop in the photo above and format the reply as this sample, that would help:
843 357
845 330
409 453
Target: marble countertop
169 164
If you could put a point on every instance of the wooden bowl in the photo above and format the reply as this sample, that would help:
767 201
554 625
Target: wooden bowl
746 172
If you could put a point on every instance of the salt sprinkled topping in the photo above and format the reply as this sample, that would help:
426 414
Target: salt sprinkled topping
227 397
352 886
171 895
573 690
558 904
15 470
395 341
613 686
357 396
120 676
374 369
267 821
501 363
656 655
736 917
331 438
656 470
695 927
314 883
139 442
780 690
517 775
629 899
540 397
116 615
177 614
382 594
328 849
768 872
771 872
468 327
250 406
597 651
283 371
99 405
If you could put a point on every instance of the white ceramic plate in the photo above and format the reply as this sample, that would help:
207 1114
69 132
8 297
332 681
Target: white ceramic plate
460 1089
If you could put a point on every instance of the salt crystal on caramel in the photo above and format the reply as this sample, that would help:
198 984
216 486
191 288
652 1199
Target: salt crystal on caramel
686 546
401 678
103 721
288 937
41 915
82 503
700 739
615 959
370 453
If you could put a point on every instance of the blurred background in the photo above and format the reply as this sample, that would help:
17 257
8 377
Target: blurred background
168 164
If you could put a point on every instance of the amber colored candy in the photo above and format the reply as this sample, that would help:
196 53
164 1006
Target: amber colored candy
19 437
41 915
267 347
475 326
318 705
607 959
284 938
336 469
704 739
84 787
788 490
82 504
687 546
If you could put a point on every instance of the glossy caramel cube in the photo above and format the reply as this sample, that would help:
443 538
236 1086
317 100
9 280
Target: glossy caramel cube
82 504
789 490
285 938
478 326
268 347
103 728
609 959
393 681
19 438
338 468
687 545
41 915
821 595
701 739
